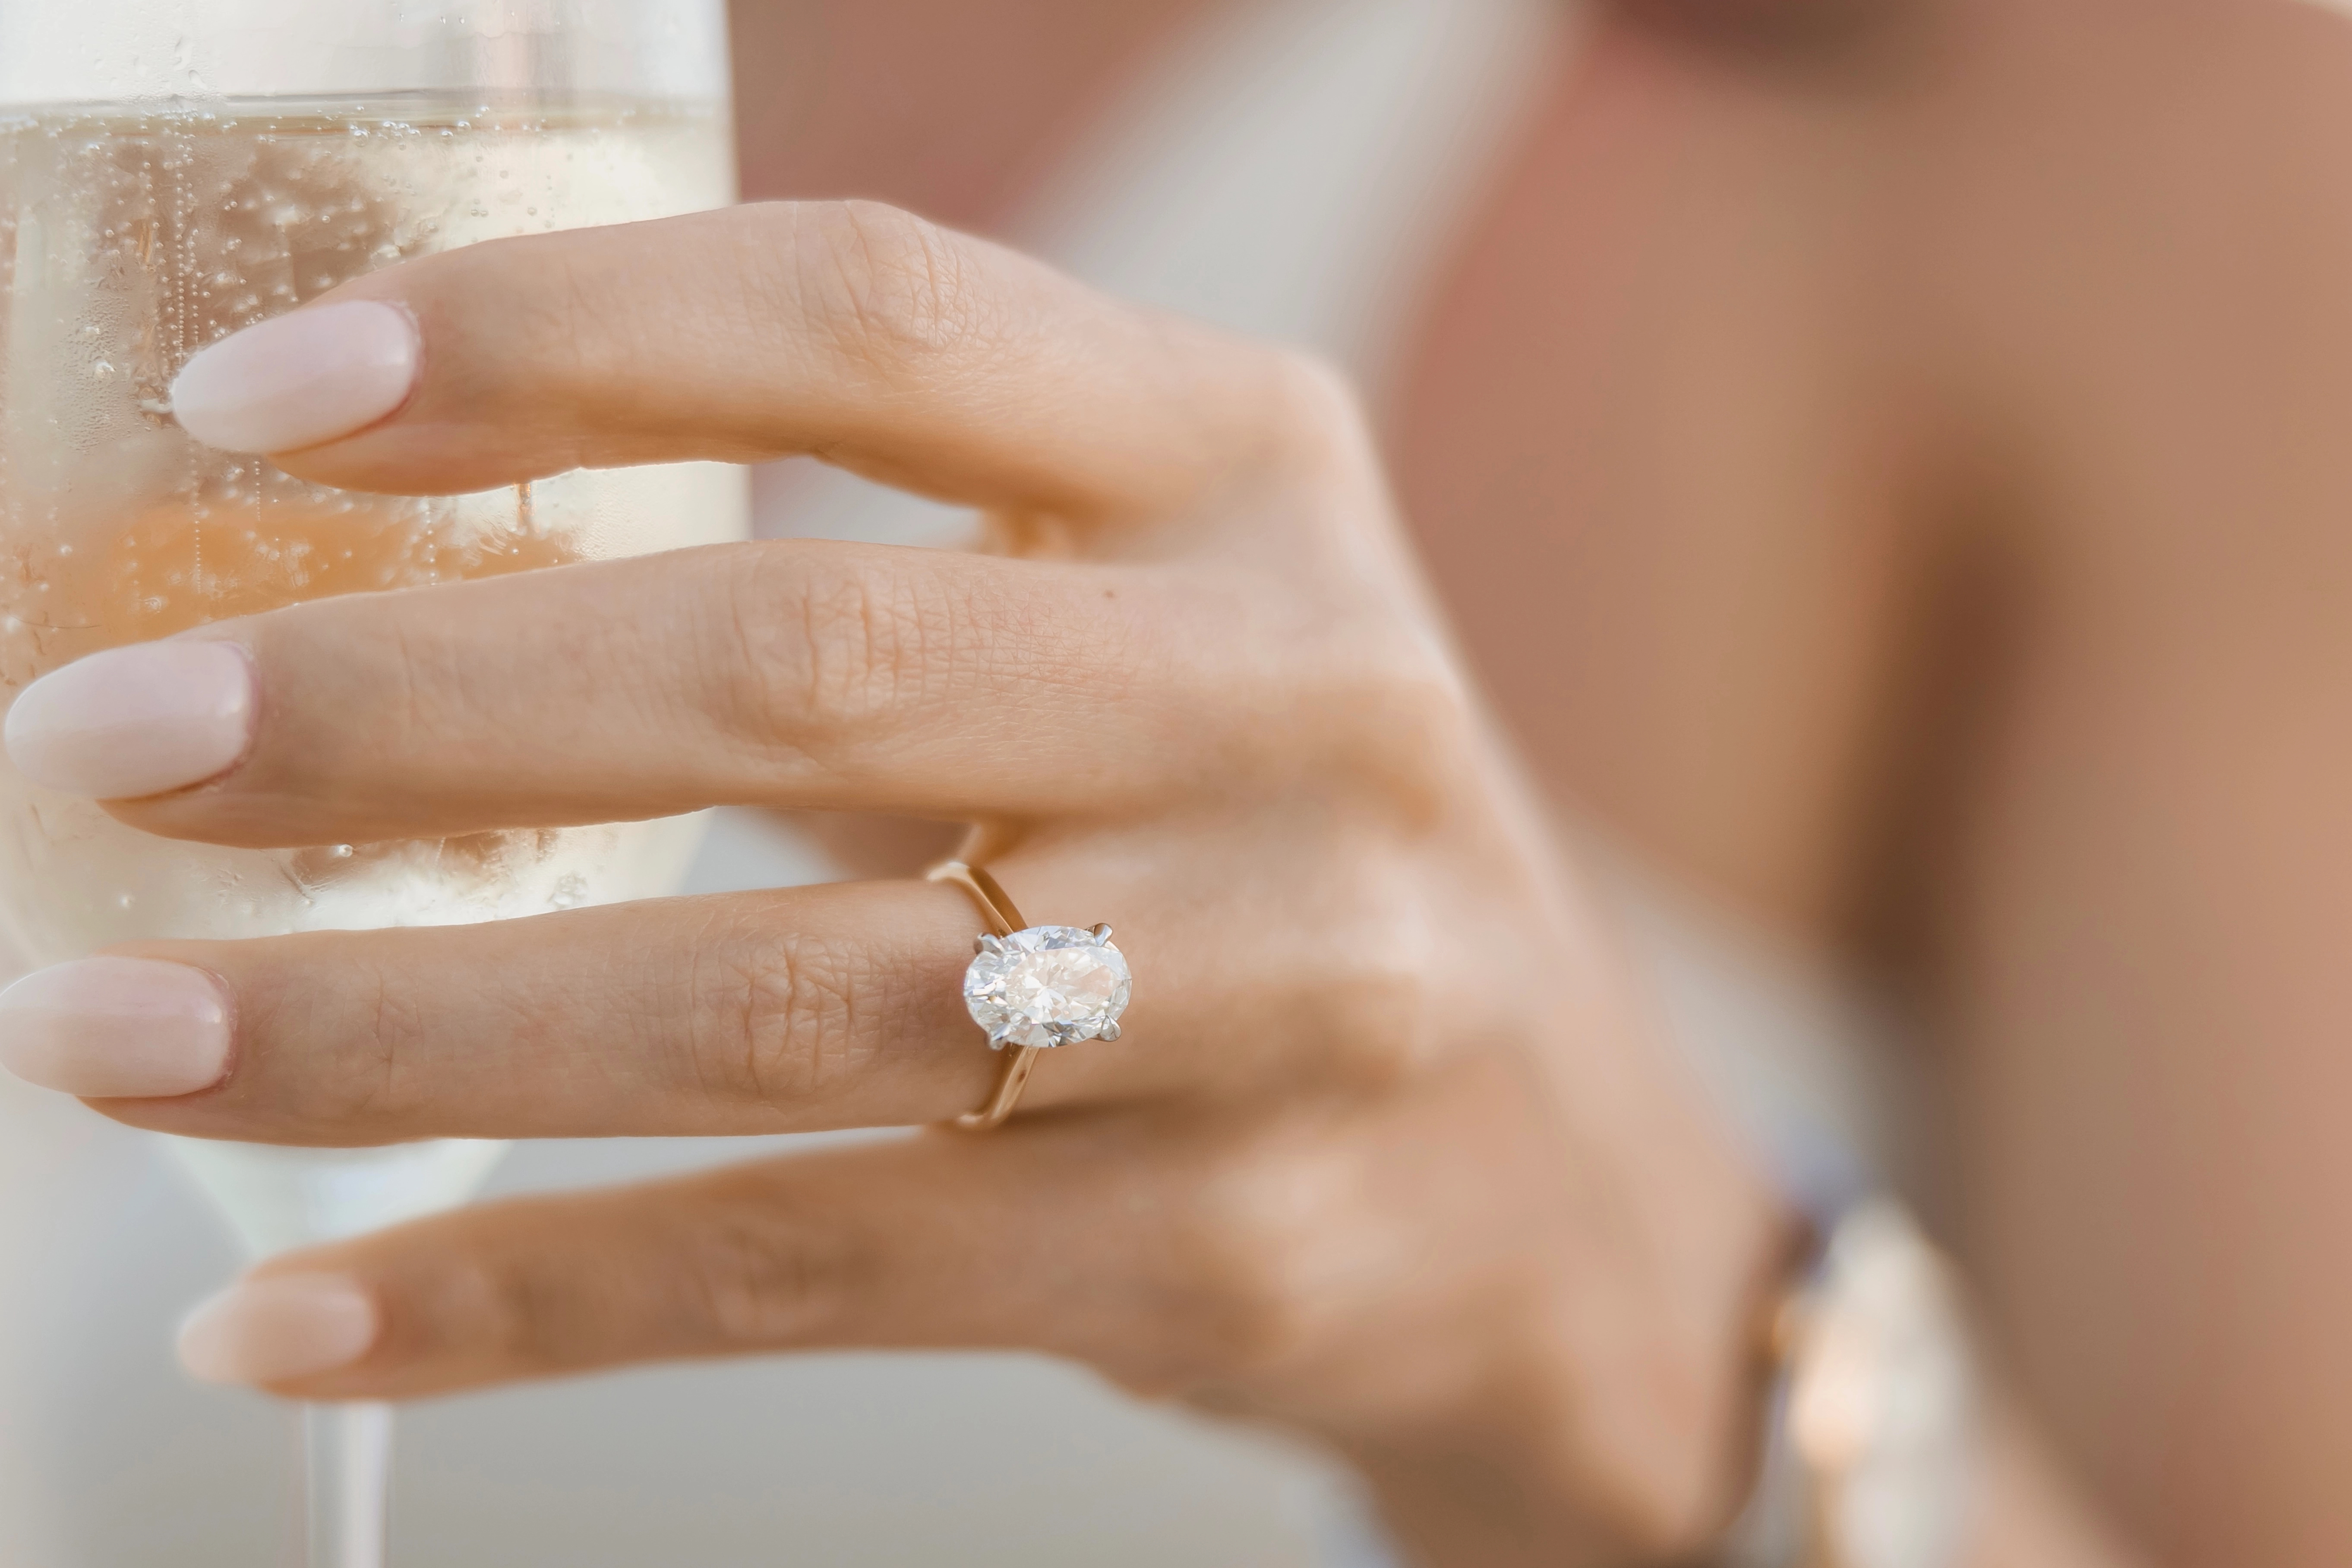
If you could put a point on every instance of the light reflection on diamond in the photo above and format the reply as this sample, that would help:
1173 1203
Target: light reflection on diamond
1048 986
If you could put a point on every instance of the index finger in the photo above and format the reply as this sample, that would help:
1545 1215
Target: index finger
850 331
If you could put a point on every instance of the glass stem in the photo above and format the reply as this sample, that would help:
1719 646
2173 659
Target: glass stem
347 1473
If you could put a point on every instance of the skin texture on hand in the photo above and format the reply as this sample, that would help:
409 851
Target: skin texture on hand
1387 1151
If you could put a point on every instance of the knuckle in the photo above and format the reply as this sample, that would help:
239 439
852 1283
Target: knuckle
1359 989
1314 416
774 1016
527 1309
1243 1252
823 656
886 286
1422 708
1398 722
1377 1021
760 1278
1319 395
748 1273
1373 1007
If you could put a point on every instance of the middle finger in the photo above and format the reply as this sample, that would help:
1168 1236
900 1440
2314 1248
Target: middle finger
789 674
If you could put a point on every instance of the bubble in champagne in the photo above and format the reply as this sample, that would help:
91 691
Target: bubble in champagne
129 241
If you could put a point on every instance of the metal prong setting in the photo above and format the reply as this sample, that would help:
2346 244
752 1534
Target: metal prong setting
996 1041
988 944
1109 1031
1102 933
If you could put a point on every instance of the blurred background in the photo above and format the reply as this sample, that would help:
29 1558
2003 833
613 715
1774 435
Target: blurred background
1830 421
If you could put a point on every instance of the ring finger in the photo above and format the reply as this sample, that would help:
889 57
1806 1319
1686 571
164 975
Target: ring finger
796 1010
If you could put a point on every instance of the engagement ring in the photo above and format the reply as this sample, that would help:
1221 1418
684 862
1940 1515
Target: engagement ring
1034 987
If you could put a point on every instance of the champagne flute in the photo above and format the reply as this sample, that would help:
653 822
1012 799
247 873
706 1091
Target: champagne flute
172 171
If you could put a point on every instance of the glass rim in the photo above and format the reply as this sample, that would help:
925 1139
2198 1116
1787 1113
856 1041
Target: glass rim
140 52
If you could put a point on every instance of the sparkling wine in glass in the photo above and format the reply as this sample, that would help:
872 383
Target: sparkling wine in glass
172 171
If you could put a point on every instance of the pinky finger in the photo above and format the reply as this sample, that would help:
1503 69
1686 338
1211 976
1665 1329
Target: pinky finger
938 1240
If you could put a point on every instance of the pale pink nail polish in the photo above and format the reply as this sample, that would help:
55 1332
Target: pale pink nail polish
136 720
116 1028
301 379
289 1325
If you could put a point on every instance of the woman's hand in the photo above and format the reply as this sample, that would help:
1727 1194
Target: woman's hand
1385 1153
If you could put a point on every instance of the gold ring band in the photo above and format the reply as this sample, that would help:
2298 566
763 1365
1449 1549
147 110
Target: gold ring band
1003 919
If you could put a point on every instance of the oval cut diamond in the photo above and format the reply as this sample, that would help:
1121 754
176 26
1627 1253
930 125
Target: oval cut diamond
1048 986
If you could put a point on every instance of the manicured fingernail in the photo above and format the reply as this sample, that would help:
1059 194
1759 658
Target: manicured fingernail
302 379
136 720
111 1028
289 1325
